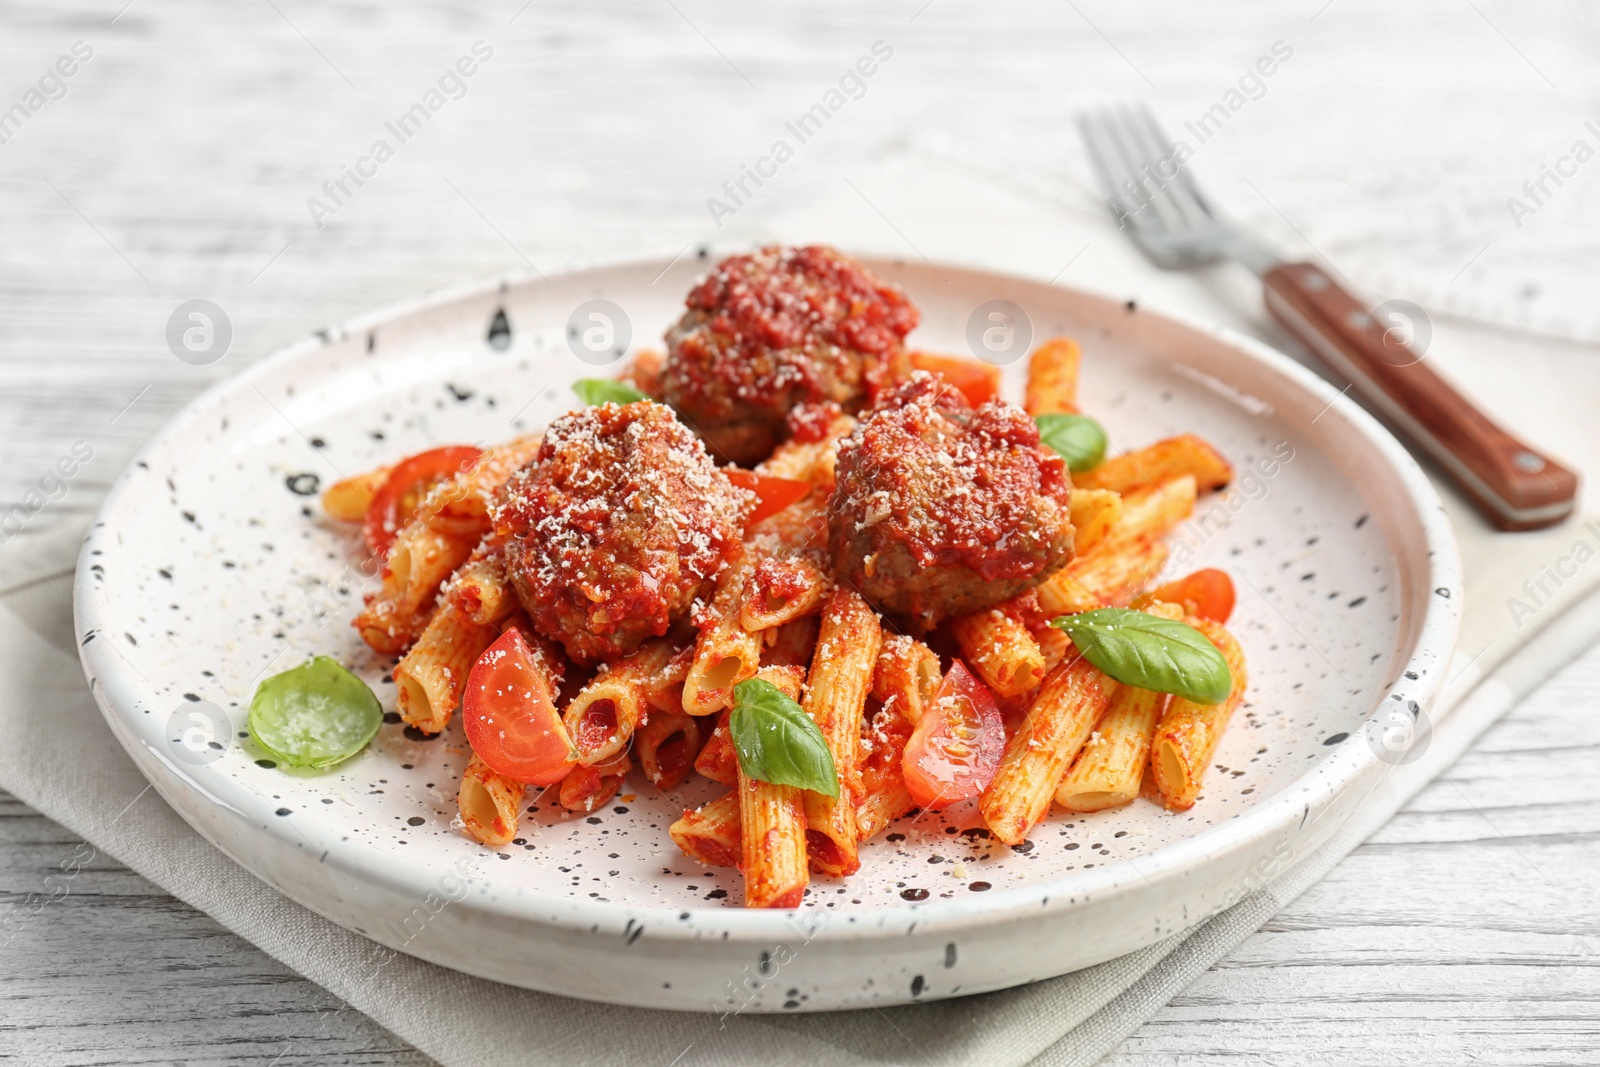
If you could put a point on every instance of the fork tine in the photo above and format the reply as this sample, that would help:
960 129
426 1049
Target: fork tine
1107 161
1157 205
1166 148
1156 148
1120 169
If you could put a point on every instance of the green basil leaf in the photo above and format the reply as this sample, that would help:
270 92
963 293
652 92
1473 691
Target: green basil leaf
1078 438
1149 652
777 741
314 715
606 391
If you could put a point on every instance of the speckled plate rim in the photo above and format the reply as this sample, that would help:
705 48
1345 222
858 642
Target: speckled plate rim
1343 766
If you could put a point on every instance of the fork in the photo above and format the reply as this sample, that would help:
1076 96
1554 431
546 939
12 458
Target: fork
1156 199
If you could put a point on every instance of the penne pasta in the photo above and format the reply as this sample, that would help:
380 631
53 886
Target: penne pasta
1095 513
1157 464
490 805
665 691
1187 735
791 644
1155 512
460 505
809 461
1110 769
904 685
710 833
430 677
349 500
780 590
1070 704
718 760
772 821
420 559
602 717
1107 578
1000 649
1053 378
725 653
666 746
1053 646
589 785
479 588
907 676
644 373
840 679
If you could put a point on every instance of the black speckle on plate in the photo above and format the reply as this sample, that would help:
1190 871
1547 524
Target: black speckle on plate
500 331
414 734
415 820
268 764
980 887
303 484
1336 739
283 811
391 717
913 894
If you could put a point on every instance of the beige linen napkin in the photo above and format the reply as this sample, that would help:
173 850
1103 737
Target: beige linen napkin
60 757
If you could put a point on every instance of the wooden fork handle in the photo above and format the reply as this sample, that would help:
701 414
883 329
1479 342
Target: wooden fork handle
1516 486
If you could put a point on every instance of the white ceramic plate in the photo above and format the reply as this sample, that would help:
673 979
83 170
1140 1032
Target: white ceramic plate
211 565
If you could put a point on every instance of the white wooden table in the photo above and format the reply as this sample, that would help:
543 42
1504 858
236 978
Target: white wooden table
178 165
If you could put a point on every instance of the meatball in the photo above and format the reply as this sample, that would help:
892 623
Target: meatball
940 510
617 526
778 328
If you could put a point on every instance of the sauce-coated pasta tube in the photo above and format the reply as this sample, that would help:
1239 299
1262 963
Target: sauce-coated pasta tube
710 833
1187 735
719 760
666 746
884 797
780 590
1160 463
791 644
836 695
587 786
430 677
1154 512
1053 378
480 588
1108 577
726 653
907 676
1000 648
349 499
1070 703
772 821
420 559
1095 513
1110 769
490 805
461 505
602 717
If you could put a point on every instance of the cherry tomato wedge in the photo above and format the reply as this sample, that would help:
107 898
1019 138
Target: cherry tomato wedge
510 717
772 494
979 382
407 485
955 750
1207 593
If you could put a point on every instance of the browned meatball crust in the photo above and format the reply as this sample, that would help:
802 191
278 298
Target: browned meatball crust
616 527
940 510
781 327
